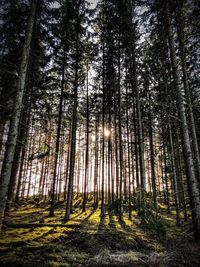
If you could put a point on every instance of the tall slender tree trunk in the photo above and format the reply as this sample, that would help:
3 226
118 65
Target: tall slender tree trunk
175 179
192 179
116 148
136 95
96 165
181 38
67 166
22 161
152 159
109 159
14 123
165 173
21 141
128 152
87 149
73 135
2 129
120 134
103 138
52 207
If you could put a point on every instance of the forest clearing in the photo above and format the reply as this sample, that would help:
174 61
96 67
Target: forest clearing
100 133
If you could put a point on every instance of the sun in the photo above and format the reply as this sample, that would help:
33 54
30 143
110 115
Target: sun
106 132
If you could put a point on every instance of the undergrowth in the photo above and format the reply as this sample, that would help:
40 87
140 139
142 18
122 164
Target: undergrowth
147 240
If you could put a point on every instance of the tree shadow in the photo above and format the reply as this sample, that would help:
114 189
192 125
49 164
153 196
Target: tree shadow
77 215
124 226
51 231
102 224
85 221
112 222
31 217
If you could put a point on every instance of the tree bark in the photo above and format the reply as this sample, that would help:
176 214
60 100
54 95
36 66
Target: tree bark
87 149
14 123
181 38
51 212
74 127
192 179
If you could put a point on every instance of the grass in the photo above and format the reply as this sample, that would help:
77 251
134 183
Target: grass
96 242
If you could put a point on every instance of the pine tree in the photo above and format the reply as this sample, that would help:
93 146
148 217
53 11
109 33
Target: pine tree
14 123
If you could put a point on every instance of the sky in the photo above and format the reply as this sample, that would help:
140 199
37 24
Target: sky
93 2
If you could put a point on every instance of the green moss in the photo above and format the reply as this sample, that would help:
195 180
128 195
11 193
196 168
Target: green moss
58 264
97 237
163 206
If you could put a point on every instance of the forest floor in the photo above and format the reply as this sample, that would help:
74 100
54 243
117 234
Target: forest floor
31 238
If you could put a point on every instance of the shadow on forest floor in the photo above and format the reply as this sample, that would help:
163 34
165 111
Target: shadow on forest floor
97 241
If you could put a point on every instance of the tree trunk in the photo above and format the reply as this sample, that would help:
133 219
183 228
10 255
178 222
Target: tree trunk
192 179
96 164
181 38
120 136
73 135
86 151
52 207
14 123
103 137
175 179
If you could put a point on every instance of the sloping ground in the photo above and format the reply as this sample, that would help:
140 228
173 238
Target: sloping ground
88 240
